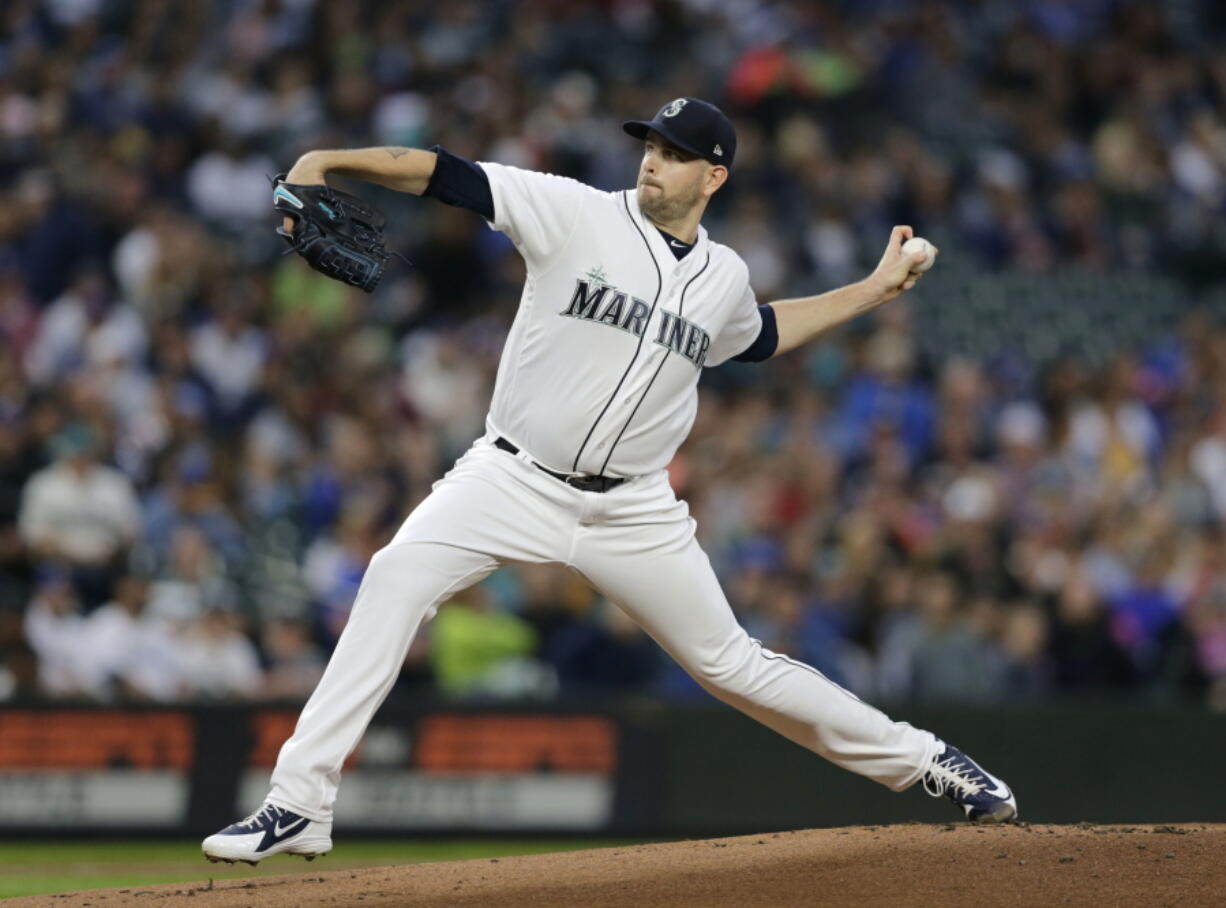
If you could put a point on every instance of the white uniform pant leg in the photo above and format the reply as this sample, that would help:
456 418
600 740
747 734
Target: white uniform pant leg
660 576
402 586
489 508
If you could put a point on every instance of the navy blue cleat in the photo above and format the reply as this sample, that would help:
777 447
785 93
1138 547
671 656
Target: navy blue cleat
270 830
984 798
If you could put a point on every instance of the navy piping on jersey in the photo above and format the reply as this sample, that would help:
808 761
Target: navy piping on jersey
663 360
459 182
659 286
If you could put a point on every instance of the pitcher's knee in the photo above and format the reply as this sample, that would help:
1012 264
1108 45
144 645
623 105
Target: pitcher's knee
404 560
728 669
383 562
404 569
419 575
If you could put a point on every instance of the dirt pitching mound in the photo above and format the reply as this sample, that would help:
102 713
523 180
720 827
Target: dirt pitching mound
950 866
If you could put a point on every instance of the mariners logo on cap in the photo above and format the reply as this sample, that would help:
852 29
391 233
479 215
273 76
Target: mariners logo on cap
674 108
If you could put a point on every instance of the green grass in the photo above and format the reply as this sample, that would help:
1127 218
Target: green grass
40 868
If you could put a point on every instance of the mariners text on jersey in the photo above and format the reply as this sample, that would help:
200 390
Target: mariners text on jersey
603 304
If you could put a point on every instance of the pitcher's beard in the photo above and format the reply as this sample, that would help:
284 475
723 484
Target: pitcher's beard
664 210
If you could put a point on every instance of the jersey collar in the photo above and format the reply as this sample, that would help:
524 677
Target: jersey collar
659 246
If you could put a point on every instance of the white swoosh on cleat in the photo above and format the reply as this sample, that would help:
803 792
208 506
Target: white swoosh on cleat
999 790
278 831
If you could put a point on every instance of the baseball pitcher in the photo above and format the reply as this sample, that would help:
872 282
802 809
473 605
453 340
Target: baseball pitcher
626 300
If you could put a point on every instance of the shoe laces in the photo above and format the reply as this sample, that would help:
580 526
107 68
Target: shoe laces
953 775
261 816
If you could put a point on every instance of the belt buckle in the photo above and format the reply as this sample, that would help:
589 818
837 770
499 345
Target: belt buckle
590 483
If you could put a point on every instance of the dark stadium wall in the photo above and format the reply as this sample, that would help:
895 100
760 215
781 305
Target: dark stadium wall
596 768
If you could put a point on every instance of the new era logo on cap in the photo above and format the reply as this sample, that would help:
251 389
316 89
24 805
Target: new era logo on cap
693 125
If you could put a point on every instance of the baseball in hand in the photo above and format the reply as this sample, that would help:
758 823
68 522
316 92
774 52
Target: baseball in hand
919 244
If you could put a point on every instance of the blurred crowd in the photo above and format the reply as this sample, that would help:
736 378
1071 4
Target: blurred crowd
202 442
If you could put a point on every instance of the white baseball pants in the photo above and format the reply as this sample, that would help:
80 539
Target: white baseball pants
636 544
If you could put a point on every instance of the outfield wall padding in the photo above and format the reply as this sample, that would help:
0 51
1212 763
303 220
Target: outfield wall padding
587 767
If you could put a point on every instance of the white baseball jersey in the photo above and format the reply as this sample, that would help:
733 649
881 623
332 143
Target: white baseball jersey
600 370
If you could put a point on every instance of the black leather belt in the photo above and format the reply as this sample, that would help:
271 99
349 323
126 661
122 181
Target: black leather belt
583 483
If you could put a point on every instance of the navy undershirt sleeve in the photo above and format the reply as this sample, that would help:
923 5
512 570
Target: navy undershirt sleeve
767 342
460 182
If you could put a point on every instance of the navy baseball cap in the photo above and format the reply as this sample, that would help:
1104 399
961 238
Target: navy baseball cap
693 125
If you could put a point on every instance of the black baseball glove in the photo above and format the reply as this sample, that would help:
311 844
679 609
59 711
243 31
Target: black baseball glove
337 233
